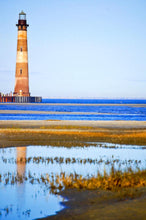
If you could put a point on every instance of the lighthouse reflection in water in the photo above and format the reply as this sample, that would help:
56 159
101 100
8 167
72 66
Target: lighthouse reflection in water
21 156
23 200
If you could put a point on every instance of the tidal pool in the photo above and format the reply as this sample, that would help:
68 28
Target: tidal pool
24 199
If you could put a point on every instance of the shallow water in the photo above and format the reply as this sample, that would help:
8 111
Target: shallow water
96 101
78 112
89 117
33 199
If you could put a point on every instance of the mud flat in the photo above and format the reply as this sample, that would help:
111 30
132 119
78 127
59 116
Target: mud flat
89 124
101 205
20 133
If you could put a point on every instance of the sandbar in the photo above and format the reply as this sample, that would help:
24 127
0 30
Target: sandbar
73 104
94 124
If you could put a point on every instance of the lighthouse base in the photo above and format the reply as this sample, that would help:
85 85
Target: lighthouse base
21 99
27 99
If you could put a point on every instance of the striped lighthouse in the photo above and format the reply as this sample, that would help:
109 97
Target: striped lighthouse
21 74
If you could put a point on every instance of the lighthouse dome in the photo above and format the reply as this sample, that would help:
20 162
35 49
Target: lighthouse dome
22 15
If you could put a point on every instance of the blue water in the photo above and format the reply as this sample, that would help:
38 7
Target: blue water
71 117
96 101
83 112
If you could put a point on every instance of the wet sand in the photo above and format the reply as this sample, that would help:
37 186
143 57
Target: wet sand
93 124
53 112
101 205
74 104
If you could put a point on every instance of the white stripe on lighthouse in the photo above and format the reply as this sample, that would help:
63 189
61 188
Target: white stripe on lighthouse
22 57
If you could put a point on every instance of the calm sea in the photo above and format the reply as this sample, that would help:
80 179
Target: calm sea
86 109
96 101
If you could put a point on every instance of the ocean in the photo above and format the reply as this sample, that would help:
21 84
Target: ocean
76 109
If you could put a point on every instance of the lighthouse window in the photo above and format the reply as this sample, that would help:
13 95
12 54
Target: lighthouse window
20 71
21 49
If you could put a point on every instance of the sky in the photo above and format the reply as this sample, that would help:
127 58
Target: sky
77 48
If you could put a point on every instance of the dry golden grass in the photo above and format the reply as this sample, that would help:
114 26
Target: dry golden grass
123 136
125 183
116 180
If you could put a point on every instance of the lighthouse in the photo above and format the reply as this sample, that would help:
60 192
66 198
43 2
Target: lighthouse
21 92
21 74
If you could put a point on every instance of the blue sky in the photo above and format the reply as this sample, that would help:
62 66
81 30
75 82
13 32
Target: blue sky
77 48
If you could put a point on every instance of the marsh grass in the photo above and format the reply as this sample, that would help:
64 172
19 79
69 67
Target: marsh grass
115 181
68 160
74 134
